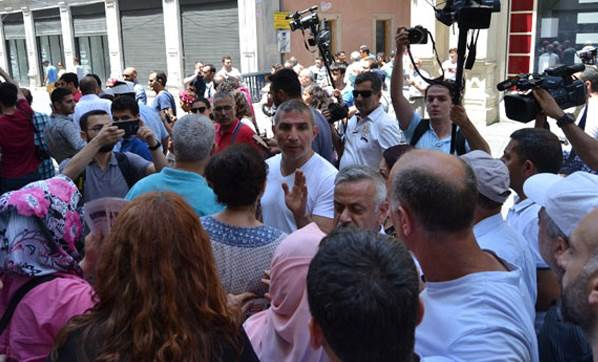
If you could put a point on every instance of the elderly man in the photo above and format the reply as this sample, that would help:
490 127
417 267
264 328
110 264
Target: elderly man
306 179
476 308
130 75
580 279
193 137
360 198
490 229
564 203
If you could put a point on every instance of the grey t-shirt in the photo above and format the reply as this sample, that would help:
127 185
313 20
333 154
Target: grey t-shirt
111 182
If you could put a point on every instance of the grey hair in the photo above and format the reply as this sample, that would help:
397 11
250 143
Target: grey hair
193 137
307 72
293 105
359 173
223 95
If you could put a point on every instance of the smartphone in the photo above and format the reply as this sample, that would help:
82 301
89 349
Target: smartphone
130 127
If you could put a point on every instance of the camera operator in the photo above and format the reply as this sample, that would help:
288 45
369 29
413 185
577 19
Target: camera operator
434 133
583 144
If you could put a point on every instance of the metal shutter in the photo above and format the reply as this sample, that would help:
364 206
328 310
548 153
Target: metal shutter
14 31
89 20
47 22
210 31
142 24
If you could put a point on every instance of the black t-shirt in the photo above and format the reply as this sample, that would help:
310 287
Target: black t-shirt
68 352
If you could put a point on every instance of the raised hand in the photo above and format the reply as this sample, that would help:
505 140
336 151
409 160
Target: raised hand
296 198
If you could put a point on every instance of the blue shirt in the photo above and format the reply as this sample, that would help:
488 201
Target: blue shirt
189 185
52 73
164 100
322 144
151 118
136 146
429 140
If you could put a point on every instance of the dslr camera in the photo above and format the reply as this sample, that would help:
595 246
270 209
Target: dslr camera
520 104
470 14
418 35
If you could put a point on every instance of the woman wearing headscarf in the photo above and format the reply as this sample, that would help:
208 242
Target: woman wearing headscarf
40 224
281 332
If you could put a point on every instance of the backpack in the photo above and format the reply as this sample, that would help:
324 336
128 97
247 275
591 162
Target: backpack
125 168
424 125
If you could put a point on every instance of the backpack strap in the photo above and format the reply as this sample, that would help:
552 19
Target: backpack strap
18 296
460 143
233 137
421 128
125 168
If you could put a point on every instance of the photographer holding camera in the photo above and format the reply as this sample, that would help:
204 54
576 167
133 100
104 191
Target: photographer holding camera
434 133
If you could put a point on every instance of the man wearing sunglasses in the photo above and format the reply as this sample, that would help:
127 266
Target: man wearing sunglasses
433 133
370 132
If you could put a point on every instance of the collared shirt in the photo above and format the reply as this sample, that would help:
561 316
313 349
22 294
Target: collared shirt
63 137
494 234
151 118
40 122
367 138
90 102
224 136
140 95
189 185
429 140
523 218
164 100
110 182
209 92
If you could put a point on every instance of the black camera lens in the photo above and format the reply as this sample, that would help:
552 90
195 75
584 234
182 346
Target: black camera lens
417 35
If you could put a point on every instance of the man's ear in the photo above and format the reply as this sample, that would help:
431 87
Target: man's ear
402 221
83 135
528 168
560 246
316 335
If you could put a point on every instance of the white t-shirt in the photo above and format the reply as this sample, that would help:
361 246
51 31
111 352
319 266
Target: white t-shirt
450 69
319 177
366 140
523 218
478 317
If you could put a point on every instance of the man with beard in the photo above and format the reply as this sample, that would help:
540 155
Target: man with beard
580 280
97 171
229 129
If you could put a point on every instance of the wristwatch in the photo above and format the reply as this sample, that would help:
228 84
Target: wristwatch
155 147
565 119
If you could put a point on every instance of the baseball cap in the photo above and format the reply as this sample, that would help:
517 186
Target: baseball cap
115 87
566 199
492 175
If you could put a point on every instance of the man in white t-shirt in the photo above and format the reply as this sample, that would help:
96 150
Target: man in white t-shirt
475 306
372 131
490 229
227 69
300 184
449 66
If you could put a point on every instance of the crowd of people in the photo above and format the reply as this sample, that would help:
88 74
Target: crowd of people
351 234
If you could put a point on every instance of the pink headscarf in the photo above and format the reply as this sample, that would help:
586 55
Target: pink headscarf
281 333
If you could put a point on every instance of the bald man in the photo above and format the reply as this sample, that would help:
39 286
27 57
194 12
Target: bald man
130 74
90 101
476 304
580 281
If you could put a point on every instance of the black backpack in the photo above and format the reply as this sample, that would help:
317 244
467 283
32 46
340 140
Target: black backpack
424 125
125 168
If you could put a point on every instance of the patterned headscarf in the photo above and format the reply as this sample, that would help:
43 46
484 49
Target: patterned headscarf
187 97
40 225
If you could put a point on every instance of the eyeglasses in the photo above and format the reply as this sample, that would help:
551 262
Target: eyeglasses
198 110
223 109
364 93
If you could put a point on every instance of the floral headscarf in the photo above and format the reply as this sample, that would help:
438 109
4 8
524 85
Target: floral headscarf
40 225
187 98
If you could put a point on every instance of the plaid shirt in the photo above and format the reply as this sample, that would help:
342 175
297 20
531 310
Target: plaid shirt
46 167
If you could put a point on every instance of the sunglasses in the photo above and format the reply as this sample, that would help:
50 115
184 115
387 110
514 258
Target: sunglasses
364 93
198 110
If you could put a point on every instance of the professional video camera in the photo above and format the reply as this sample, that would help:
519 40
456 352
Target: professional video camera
567 91
320 35
588 55
470 14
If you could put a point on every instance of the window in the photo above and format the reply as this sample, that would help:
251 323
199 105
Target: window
93 54
17 55
383 37
331 26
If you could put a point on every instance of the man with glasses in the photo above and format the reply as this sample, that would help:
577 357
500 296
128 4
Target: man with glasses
97 170
229 129
130 75
372 130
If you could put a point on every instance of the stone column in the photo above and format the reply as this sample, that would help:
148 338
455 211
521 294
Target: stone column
4 61
35 79
173 38
257 36
114 39
68 36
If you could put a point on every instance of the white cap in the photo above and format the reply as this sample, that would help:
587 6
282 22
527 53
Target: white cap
566 199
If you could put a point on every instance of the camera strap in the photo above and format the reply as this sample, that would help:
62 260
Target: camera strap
582 125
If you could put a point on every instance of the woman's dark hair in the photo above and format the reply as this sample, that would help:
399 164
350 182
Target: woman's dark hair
8 94
392 154
320 99
159 296
237 175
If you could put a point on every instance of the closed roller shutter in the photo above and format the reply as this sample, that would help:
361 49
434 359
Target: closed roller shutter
142 24
89 20
210 31
47 22
14 31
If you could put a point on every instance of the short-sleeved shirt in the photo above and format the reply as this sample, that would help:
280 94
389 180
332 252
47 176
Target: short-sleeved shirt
111 182
136 146
189 185
478 317
140 95
429 140
88 103
367 138
164 100
17 142
319 177
63 137
494 234
224 137
40 122
52 73
151 118
523 218
322 144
